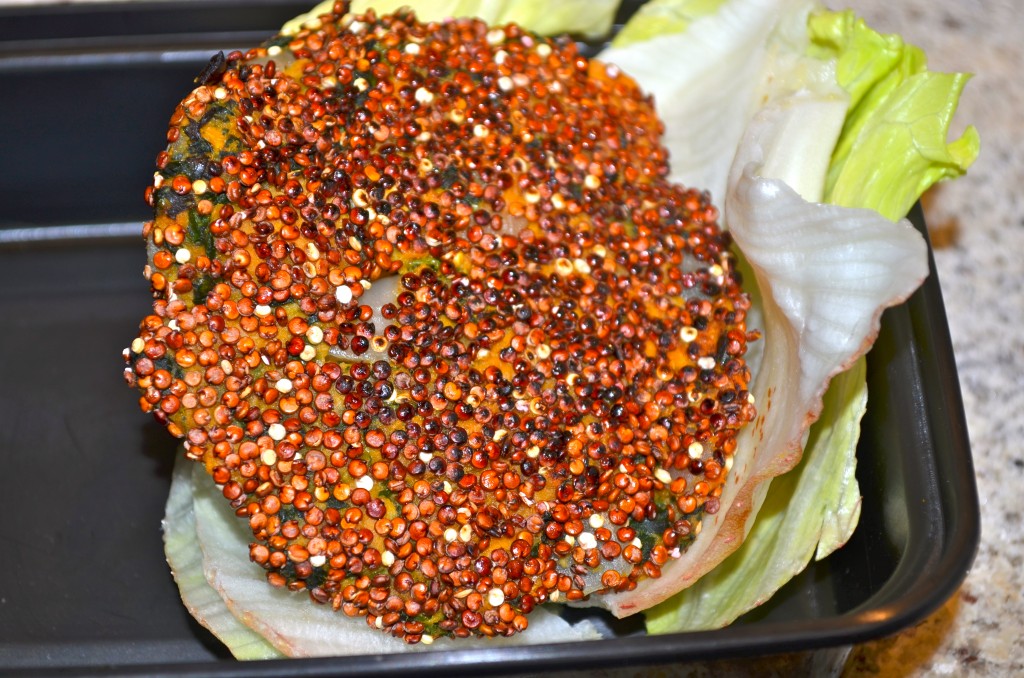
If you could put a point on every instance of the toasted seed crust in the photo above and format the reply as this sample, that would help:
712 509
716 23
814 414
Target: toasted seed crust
547 400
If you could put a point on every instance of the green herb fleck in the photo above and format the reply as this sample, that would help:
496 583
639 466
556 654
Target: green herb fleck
199 232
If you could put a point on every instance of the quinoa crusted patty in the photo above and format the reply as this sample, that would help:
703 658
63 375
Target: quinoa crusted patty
430 314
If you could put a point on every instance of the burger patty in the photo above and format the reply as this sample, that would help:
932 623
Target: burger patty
440 330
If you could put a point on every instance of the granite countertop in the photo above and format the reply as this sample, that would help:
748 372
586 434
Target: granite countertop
977 229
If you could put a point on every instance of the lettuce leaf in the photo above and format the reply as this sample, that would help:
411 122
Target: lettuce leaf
710 85
899 111
773 546
890 148
659 17
186 560
207 547
825 274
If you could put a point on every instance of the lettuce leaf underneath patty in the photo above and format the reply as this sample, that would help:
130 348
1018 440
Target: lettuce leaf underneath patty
891 147
779 547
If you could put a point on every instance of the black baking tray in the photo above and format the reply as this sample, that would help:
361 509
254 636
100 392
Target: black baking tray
83 583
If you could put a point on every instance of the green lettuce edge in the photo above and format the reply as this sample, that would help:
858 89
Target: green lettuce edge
893 145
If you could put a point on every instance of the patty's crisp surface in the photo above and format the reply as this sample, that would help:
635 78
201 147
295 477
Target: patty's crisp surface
434 321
